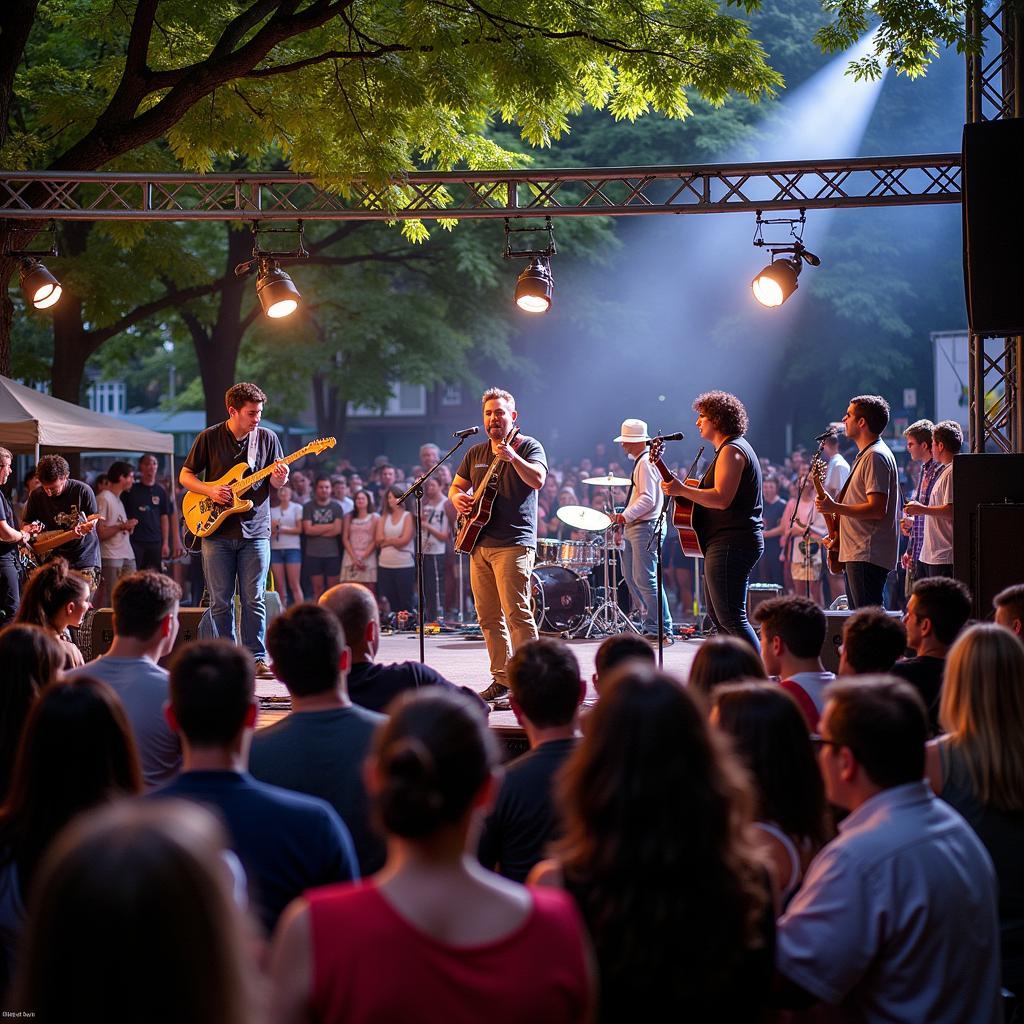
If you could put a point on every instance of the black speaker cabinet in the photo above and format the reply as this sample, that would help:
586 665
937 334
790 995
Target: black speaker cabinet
993 219
835 622
101 633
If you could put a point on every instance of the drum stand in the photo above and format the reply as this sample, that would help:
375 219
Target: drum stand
608 618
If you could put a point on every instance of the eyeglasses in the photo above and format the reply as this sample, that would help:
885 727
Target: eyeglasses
820 741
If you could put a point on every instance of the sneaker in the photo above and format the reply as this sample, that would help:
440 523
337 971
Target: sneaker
264 671
653 638
494 692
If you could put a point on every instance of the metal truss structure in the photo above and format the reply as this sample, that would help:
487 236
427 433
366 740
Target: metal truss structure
588 192
995 91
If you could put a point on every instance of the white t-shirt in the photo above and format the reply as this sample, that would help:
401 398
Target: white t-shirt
291 518
119 546
437 519
837 474
938 532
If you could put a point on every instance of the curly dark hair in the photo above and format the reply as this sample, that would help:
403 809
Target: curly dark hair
725 411
239 394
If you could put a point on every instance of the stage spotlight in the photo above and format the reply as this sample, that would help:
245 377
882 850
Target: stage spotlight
41 288
276 291
535 286
776 282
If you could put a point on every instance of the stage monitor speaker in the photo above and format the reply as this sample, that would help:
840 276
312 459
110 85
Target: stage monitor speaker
835 621
993 225
758 593
101 632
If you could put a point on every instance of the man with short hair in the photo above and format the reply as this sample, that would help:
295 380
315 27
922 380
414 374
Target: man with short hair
11 536
287 842
320 747
339 492
545 693
937 549
896 919
430 456
919 447
145 627
155 536
868 512
837 470
873 641
614 650
937 611
321 526
1009 609
117 558
792 635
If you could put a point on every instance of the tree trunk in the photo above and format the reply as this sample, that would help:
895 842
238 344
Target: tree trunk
7 268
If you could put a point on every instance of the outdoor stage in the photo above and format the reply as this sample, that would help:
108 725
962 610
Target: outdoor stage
464 661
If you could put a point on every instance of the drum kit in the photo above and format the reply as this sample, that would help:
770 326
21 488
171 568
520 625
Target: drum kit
576 587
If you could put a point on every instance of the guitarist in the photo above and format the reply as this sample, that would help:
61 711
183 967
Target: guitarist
239 552
59 503
502 558
10 538
727 517
638 519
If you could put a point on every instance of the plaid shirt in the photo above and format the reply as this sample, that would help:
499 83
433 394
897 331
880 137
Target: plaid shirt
922 493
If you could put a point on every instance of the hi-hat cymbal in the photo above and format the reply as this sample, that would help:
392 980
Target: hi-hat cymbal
579 517
607 481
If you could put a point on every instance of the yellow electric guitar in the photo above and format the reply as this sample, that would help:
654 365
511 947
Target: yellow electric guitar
204 516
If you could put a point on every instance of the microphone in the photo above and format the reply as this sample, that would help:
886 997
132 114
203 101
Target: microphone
468 432
677 436
827 435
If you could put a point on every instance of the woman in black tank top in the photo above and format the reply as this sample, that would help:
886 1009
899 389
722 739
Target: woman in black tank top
727 511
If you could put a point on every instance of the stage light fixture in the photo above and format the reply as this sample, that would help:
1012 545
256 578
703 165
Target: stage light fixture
40 287
535 285
776 282
274 287
773 285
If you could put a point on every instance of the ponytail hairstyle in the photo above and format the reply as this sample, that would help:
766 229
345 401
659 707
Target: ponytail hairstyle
432 757
50 588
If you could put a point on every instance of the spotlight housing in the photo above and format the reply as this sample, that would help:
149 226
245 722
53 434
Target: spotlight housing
274 287
40 287
776 282
773 285
535 284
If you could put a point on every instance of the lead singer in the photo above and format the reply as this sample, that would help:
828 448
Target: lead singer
502 560
727 512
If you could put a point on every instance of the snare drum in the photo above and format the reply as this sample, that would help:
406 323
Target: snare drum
559 598
578 554
547 550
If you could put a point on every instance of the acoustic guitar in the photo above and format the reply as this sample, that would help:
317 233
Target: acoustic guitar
204 516
831 542
468 527
682 510
43 544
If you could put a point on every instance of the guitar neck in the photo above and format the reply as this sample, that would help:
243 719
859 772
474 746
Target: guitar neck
241 486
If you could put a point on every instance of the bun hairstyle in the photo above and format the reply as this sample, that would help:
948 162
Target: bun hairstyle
433 755
49 588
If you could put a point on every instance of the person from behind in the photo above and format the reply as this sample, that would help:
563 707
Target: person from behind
793 633
896 918
143 886
615 650
546 690
145 628
658 854
873 641
57 598
287 842
433 935
720 659
978 766
320 747
769 733
1008 606
937 611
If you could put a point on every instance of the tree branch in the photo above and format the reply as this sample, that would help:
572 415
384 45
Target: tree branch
172 298
15 24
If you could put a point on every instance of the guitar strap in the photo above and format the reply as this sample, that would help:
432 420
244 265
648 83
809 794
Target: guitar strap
253 450
853 468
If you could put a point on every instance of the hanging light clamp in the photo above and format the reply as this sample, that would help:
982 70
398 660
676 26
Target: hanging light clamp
271 258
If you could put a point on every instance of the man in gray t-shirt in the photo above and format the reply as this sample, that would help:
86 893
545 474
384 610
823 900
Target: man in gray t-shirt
868 507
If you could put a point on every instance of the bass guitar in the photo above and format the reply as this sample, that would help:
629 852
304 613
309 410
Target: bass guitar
468 527
682 509
831 542
204 516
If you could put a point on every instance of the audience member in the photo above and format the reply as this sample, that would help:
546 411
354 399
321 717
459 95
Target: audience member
55 598
77 752
872 642
1009 609
114 531
321 523
155 536
142 887
658 856
145 628
320 747
792 635
937 611
286 545
769 733
396 569
359 536
545 692
896 919
614 650
286 841
433 935
723 659
978 766
919 448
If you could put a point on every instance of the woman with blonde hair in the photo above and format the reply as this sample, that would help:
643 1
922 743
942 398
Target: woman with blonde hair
978 766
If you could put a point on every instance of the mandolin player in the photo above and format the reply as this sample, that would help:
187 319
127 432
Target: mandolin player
502 558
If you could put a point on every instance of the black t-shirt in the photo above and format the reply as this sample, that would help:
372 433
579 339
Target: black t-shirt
740 523
925 675
147 503
376 686
524 819
513 519
772 516
62 512
215 452
7 516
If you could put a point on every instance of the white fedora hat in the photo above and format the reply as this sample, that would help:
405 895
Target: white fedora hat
633 430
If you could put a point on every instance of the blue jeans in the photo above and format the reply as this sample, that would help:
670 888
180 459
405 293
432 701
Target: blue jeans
865 582
727 568
225 561
639 567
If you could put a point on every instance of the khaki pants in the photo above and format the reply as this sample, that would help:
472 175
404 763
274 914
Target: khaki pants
500 578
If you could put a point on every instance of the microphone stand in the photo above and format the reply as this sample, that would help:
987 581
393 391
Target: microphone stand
416 490
659 576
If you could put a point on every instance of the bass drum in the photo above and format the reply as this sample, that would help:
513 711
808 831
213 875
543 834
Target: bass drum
559 598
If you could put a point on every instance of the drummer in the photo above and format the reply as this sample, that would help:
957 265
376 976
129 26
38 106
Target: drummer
639 519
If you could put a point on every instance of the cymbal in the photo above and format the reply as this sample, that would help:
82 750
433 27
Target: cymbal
607 481
579 517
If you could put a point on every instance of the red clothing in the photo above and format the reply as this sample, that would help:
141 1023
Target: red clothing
371 966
